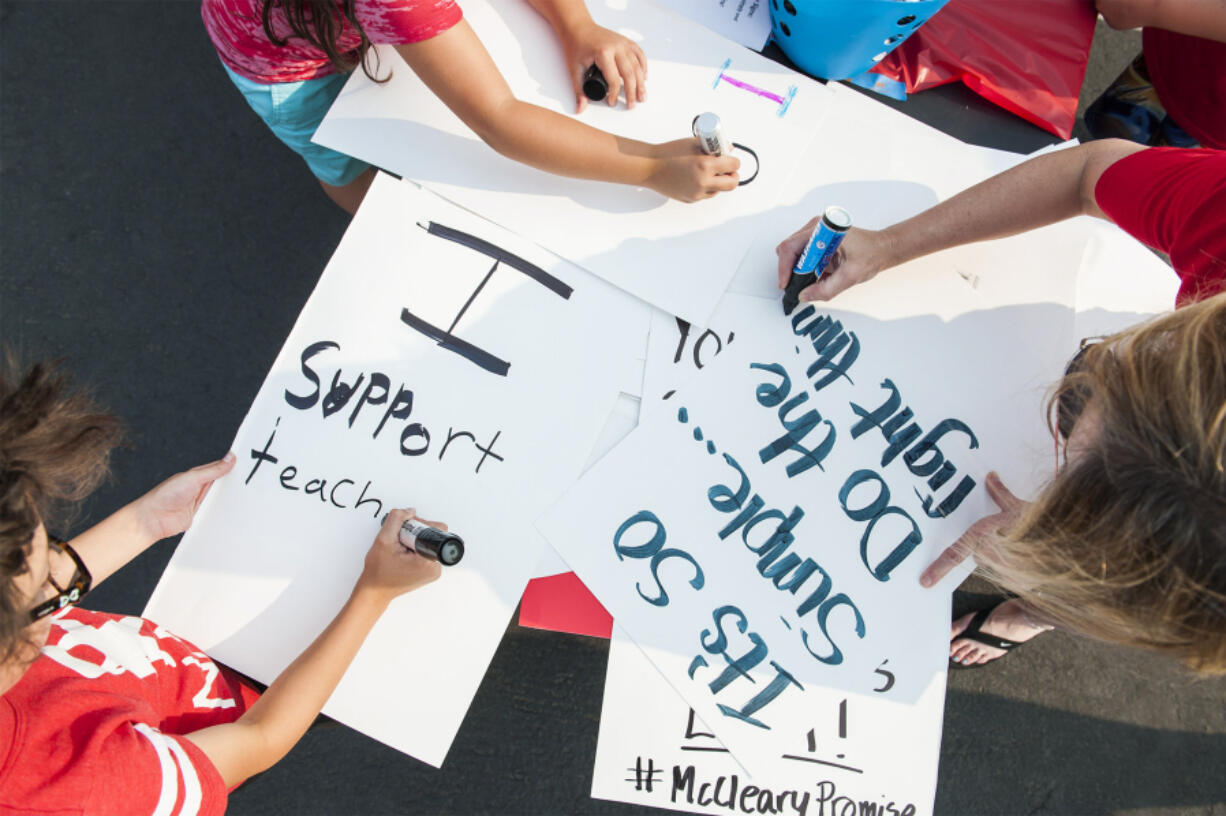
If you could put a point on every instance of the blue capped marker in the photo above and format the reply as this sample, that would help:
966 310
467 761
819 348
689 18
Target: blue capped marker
823 243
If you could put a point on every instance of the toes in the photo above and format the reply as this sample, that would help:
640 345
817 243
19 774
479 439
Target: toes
960 624
970 653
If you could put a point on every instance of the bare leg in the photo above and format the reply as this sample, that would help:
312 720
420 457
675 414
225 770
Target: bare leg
350 196
1013 620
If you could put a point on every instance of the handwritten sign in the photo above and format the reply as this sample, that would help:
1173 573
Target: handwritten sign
654 750
676 351
761 538
747 22
679 257
441 364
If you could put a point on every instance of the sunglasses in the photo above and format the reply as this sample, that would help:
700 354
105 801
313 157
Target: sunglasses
65 595
1072 401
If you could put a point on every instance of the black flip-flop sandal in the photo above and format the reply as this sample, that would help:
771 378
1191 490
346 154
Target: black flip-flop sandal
971 632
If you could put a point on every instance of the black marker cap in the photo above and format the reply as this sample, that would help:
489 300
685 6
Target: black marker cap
595 86
446 548
451 551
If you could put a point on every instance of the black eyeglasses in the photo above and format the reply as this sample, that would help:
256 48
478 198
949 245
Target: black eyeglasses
73 592
1072 401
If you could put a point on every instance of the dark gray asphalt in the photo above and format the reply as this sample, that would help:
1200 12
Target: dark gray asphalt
159 239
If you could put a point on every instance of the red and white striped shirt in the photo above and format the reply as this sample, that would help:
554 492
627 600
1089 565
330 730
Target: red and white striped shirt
95 723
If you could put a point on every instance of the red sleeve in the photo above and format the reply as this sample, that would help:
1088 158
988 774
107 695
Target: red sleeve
1173 199
1189 74
400 22
139 769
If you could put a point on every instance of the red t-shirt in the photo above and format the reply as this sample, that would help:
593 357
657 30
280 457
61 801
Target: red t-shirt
1189 74
93 725
1173 199
237 31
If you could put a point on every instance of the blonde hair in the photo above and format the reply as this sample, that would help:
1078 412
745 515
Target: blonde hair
1127 544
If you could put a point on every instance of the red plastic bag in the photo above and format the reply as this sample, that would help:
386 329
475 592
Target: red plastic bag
1028 57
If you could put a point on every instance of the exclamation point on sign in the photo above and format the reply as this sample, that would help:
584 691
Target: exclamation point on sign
842 722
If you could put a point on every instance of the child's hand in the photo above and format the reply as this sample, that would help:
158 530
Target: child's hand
620 60
685 173
390 568
169 508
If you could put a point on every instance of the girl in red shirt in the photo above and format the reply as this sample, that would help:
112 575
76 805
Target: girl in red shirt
111 714
290 58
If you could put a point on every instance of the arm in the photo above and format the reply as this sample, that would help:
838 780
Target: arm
1036 193
1196 18
266 732
457 68
584 43
165 511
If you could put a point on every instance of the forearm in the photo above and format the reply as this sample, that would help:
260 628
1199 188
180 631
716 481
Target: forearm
266 733
1036 193
563 15
113 542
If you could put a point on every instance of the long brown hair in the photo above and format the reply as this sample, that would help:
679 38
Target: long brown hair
55 448
320 22
1128 543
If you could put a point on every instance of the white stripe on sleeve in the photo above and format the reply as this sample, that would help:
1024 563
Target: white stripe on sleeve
170 777
191 782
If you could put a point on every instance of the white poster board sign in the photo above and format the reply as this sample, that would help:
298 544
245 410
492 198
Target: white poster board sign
679 257
747 22
762 537
622 420
442 364
887 168
654 750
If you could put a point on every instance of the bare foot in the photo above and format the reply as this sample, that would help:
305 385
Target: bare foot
1008 621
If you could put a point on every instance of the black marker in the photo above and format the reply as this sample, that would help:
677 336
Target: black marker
713 140
431 542
709 132
595 86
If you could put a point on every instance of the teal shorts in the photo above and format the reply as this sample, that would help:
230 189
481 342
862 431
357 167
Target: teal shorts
293 110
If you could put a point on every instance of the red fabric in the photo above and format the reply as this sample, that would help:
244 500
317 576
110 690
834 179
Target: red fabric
1189 74
561 603
1029 58
1173 199
237 31
92 726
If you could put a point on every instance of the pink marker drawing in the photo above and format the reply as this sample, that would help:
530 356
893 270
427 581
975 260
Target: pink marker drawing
782 101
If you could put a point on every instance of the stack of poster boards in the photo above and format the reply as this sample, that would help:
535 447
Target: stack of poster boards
598 387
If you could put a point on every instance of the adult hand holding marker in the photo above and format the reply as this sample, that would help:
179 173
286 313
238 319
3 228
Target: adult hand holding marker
861 255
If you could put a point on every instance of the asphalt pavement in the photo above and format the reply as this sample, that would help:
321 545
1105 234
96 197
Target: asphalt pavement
155 236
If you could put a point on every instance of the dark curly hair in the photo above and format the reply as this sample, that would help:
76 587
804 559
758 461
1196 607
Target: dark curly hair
55 448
